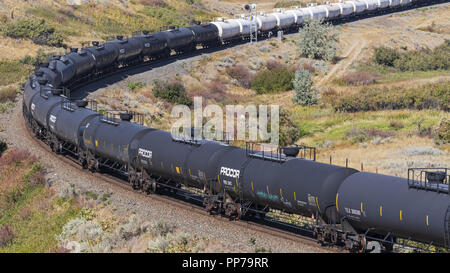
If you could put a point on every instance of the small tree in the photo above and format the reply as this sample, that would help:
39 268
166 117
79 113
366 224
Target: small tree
305 94
317 40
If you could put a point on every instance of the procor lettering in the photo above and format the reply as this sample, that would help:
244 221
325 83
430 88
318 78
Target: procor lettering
145 153
229 172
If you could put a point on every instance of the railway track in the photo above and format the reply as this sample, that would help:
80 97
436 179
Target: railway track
184 205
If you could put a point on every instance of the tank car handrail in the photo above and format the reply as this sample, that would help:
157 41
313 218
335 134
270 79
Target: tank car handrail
418 178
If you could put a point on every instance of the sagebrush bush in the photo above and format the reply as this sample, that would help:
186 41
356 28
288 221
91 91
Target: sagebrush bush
160 244
360 78
160 229
173 92
421 150
317 40
442 132
131 228
241 74
288 3
305 93
36 30
6 235
273 64
15 156
430 96
272 81
8 94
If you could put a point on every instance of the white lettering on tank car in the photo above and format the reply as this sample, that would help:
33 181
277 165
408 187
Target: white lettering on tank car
122 51
353 211
52 118
312 200
33 106
145 153
147 44
229 172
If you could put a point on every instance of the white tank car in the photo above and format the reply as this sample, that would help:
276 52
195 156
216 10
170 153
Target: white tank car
244 25
299 15
383 3
405 2
372 4
228 30
316 12
361 6
284 19
266 22
333 11
395 3
347 8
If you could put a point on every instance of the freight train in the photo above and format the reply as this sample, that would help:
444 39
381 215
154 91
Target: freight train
363 211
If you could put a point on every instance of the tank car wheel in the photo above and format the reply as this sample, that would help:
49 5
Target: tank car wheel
373 247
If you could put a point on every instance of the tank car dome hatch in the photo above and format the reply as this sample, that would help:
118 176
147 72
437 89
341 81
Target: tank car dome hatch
126 116
81 103
291 151
435 177
95 43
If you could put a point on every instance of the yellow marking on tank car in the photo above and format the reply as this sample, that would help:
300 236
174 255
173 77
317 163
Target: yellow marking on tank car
295 197
253 188
267 187
381 210
427 221
218 179
401 215
362 207
178 170
337 197
96 143
317 203
237 183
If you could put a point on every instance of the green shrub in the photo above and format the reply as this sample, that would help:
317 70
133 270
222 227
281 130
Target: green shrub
385 56
305 94
289 133
420 60
274 80
442 132
317 40
173 92
133 86
288 3
430 96
36 30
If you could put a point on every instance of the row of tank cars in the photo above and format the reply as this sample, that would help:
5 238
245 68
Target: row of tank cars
360 210
102 58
